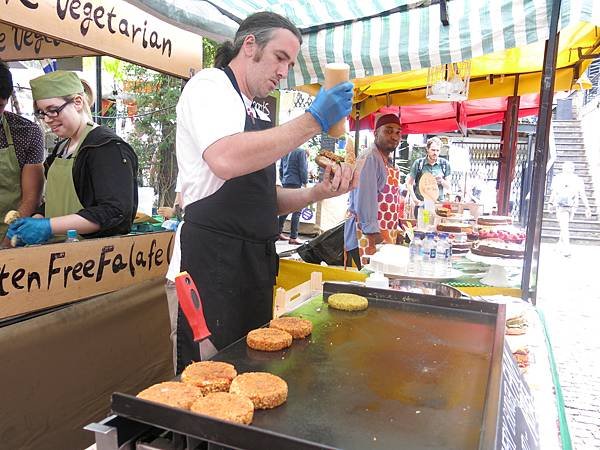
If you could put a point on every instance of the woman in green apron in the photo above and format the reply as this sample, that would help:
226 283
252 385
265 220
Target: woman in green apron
91 174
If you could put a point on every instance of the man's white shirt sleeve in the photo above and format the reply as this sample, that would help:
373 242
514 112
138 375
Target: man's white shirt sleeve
208 110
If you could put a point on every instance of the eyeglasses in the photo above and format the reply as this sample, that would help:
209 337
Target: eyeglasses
52 113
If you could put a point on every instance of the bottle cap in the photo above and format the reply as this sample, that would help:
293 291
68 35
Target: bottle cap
71 234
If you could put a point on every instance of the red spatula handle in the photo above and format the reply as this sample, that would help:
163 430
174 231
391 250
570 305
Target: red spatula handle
191 305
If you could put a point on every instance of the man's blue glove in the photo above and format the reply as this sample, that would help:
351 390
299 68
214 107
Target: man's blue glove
30 230
332 105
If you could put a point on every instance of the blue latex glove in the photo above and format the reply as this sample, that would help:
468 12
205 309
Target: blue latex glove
332 105
30 230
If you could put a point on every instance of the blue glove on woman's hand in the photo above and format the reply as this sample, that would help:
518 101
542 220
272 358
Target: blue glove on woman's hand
332 105
30 230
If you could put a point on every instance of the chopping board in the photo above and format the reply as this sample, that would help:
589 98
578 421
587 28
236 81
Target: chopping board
428 187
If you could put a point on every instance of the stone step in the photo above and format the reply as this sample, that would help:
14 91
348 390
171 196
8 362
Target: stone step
573 225
580 147
571 150
579 216
573 157
567 130
568 139
573 240
582 234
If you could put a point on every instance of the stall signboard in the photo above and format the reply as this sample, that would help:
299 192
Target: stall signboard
19 44
110 27
43 276
517 427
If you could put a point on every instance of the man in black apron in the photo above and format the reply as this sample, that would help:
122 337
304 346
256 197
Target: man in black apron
21 159
228 237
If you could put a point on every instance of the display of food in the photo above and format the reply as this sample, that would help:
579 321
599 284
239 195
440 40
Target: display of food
268 339
443 212
494 220
507 235
209 376
9 218
348 302
172 393
264 389
516 325
460 248
455 227
299 328
498 249
522 357
328 158
225 406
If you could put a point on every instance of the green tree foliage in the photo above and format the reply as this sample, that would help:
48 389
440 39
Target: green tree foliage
155 96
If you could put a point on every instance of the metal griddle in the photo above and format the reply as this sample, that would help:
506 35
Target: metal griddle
411 372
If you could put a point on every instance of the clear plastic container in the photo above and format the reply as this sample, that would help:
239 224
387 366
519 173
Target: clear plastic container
429 253
72 236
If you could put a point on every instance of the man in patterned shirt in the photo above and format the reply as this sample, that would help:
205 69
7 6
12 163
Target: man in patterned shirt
21 159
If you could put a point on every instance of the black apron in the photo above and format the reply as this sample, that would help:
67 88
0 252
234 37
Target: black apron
228 248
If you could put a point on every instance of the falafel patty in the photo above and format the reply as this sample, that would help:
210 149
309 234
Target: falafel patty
172 393
299 328
348 302
264 389
226 406
268 339
209 376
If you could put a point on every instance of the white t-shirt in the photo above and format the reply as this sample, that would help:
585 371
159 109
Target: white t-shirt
209 109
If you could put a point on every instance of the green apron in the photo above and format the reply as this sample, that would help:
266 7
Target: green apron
10 178
61 196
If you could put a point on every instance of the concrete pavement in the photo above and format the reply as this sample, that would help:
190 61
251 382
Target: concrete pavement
569 296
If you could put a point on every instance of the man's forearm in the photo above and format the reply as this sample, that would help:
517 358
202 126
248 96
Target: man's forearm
32 184
290 200
244 153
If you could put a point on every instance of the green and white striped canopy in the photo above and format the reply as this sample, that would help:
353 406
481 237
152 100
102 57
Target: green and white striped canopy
380 37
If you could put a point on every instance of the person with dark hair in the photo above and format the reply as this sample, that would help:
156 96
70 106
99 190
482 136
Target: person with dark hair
21 159
91 173
431 163
293 173
374 206
226 153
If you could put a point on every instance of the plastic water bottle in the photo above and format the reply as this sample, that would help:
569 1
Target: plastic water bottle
72 236
414 254
429 252
443 262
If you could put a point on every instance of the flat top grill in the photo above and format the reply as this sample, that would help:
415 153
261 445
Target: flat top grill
410 372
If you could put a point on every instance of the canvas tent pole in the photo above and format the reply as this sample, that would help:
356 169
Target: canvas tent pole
98 107
536 206
508 150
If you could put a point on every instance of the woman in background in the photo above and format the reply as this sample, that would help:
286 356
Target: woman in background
91 174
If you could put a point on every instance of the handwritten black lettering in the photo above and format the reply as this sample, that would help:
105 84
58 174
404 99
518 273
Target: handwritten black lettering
28 4
131 264
140 260
103 261
111 15
3 276
158 258
16 277
31 277
76 271
124 27
66 273
88 266
51 269
2 42
118 264
151 253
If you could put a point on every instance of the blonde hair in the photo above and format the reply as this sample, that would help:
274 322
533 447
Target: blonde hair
87 110
433 140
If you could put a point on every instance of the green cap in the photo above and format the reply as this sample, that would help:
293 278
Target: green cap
60 83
